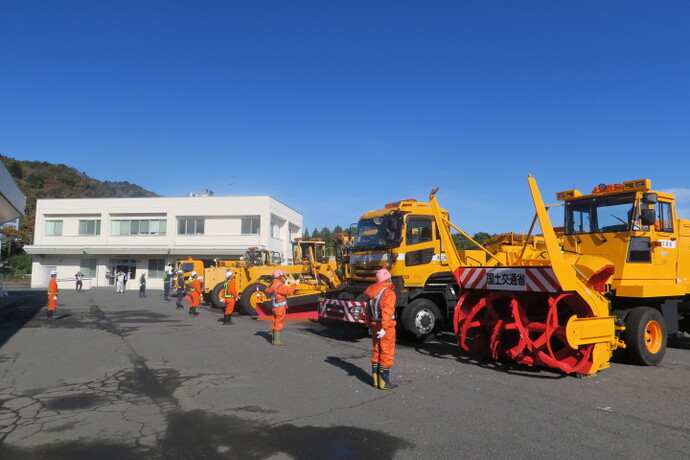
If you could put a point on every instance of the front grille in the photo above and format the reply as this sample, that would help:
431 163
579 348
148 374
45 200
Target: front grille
365 273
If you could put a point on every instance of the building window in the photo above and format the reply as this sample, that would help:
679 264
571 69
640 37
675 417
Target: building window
190 226
156 268
89 227
276 227
250 225
53 228
139 227
88 267
292 233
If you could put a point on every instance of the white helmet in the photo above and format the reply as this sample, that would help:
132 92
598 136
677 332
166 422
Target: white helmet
179 272
194 273
53 273
229 274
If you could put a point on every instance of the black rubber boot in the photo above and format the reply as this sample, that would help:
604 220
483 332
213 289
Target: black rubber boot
375 374
194 312
50 314
384 379
227 320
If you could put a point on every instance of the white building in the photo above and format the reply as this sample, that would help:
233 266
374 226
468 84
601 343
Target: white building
99 236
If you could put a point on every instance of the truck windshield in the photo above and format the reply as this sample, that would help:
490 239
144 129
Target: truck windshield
378 233
186 267
600 214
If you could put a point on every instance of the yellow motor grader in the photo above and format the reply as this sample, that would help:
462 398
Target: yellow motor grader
615 276
312 272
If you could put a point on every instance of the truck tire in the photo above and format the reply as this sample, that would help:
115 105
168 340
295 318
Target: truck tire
251 296
421 320
645 336
218 296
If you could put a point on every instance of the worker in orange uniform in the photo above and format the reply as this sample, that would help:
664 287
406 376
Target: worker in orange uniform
52 294
381 318
194 293
279 291
230 291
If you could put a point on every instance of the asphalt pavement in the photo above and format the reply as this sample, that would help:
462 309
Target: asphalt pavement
118 376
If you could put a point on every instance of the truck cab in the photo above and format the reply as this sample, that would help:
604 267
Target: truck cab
403 237
637 229
313 250
255 256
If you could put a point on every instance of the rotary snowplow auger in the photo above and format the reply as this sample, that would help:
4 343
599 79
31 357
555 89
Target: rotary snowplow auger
534 304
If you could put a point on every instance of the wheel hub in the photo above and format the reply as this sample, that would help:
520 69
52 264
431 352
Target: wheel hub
424 321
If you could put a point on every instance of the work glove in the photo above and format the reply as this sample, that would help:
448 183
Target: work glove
380 333
54 297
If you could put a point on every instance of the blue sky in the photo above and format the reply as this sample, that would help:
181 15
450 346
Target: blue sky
338 107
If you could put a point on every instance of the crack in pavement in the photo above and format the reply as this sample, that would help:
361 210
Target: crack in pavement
140 400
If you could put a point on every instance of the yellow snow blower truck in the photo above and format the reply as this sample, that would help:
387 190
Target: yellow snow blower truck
615 276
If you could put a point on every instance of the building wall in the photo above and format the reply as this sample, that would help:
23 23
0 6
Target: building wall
222 235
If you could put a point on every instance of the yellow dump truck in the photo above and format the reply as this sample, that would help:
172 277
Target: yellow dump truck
403 237
615 276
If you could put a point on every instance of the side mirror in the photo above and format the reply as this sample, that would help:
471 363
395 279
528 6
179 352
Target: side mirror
648 217
649 198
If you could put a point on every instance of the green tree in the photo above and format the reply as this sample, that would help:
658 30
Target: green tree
16 170
34 181
315 233
480 237
327 235
18 264
463 243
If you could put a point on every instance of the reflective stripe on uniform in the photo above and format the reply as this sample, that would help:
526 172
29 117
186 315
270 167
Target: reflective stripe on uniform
225 288
374 309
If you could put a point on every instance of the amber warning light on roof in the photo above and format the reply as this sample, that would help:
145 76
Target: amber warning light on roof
396 204
603 189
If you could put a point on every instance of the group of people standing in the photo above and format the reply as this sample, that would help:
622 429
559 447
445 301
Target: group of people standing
380 314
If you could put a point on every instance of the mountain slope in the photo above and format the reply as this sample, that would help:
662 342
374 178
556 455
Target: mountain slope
39 179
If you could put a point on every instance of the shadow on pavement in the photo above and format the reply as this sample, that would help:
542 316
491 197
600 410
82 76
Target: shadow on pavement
17 309
340 331
267 336
198 434
444 346
351 369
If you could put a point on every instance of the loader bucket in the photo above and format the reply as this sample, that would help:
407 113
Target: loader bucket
540 312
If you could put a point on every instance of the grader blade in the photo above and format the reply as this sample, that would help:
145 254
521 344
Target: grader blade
539 312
